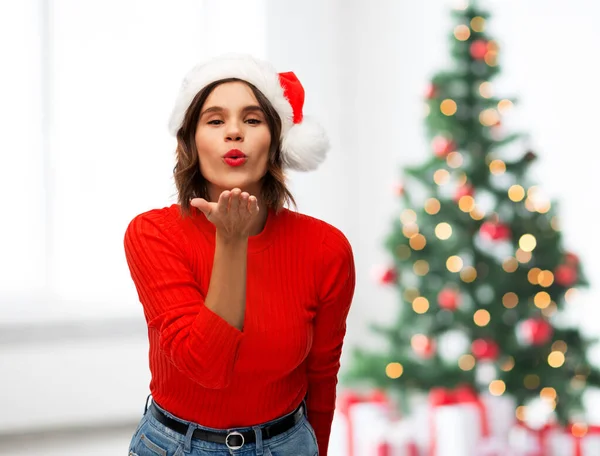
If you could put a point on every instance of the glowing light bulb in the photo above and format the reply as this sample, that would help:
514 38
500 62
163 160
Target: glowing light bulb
448 107
454 160
466 362
556 359
421 267
497 167
441 176
510 265
527 242
510 300
542 300
468 274
504 106
443 231
486 90
466 203
454 263
497 388
394 370
408 216
482 317
478 24
462 32
432 206
516 193
489 117
420 305
417 242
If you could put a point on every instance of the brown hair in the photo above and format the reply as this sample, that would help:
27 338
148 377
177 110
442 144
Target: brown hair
189 180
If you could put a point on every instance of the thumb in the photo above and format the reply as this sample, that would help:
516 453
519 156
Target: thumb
202 204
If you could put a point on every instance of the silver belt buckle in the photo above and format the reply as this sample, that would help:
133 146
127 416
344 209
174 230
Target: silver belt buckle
234 447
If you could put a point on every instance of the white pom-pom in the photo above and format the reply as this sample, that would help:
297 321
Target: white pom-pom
304 146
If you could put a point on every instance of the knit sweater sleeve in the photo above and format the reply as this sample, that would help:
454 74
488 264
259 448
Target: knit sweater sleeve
336 282
201 344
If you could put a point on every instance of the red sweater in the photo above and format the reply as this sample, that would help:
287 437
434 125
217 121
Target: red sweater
300 283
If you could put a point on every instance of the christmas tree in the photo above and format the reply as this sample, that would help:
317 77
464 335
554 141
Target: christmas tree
483 278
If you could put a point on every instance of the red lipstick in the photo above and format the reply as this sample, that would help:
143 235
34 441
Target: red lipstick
235 157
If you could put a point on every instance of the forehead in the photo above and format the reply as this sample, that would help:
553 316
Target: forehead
231 94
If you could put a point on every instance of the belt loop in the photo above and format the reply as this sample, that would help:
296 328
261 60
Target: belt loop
259 440
146 405
187 444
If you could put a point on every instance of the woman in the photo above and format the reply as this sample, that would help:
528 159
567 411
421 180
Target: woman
245 300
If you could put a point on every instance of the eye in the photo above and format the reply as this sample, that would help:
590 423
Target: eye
254 121
214 122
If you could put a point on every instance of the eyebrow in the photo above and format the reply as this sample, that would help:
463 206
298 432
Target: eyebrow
251 108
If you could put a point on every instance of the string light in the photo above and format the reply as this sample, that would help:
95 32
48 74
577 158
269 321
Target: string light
560 345
529 205
510 265
477 214
462 32
497 388
527 242
504 106
419 342
394 370
466 362
478 24
420 305
510 300
408 216
546 279
489 117
441 176
533 275
466 203
482 317
522 256
548 393
461 179
508 364
417 242
468 274
454 263
448 107
497 167
531 381
486 90
491 58
421 267
550 310
516 193
542 300
410 230
556 359
432 206
454 159
521 413
579 430
410 294
443 231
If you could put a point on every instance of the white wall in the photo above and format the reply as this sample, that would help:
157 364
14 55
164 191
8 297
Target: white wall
364 66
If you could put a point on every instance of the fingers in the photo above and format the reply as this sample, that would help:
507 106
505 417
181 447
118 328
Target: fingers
244 208
252 205
234 204
201 204
223 203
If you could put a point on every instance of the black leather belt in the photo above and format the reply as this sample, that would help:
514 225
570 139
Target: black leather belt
233 439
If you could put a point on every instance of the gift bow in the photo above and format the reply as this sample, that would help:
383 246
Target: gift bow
439 397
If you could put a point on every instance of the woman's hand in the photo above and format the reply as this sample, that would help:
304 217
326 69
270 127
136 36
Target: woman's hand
232 215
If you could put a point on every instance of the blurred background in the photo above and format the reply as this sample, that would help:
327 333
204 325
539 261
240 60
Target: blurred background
86 89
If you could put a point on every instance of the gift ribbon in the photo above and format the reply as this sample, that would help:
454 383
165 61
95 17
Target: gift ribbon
578 438
347 400
439 397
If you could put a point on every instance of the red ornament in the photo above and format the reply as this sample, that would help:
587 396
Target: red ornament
424 347
442 146
463 190
571 259
495 231
449 299
485 349
565 275
479 49
431 91
536 331
388 276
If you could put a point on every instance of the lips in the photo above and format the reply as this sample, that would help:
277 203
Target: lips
235 153
235 157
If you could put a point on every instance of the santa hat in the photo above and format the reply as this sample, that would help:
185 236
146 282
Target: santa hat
304 142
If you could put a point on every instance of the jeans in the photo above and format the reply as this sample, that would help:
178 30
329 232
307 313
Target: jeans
152 438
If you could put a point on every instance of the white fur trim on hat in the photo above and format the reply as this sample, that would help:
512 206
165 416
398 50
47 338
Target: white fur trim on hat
304 145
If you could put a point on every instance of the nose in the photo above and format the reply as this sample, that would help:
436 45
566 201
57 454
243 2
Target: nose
234 132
